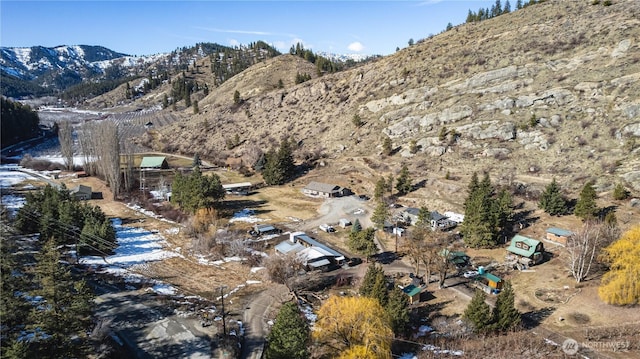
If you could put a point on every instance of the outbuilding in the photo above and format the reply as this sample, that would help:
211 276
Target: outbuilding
81 192
154 162
558 235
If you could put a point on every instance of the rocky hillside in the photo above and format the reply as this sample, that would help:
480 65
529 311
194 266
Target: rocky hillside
552 90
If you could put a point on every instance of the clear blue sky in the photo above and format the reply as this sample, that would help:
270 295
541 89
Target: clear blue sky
150 27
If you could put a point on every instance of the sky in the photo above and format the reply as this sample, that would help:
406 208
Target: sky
371 27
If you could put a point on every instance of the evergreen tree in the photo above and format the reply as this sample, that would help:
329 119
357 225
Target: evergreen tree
403 183
289 336
620 193
397 308
68 306
380 215
357 227
381 188
363 242
236 97
165 101
196 160
424 217
196 109
371 277
14 308
487 215
586 207
507 7
478 312
552 201
505 315
387 146
413 147
279 165
519 4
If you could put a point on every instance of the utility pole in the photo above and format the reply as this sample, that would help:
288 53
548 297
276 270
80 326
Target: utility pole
224 314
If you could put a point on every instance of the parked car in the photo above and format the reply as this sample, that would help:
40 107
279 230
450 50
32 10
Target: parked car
327 228
354 261
470 274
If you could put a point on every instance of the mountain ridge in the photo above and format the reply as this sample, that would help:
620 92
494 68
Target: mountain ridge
516 95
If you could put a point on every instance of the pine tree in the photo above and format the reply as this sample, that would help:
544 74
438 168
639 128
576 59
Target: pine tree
165 101
13 306
381 188
362 242
552 201
196 160
387 146
403 183
505 315
374 272
236 97
586 207
478 312
620 193
424 217
480 228
289 336
357 227
196 109
380 215
68 306
279 165
397 308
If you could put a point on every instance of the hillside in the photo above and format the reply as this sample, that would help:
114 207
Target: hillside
550 90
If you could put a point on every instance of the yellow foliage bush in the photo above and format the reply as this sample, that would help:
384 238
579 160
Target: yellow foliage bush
358 324
621 285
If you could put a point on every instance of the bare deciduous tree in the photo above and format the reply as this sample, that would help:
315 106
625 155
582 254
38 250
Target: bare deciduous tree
101 147
65 136
282 268
583 248
127 175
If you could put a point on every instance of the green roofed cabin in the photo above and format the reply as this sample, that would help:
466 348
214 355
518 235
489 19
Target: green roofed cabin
155 162
492 281
413 293
529 251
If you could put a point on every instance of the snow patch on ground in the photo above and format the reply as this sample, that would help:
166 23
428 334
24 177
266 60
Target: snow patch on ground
9 178
12 203
245 215
163 288
256 269
136 246
148 213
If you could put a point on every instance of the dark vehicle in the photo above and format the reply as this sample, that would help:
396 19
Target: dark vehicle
364 197
354 261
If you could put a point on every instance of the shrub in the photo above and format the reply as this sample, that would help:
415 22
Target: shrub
620 193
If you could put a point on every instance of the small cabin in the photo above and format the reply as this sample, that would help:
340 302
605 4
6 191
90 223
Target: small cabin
81 192
413 292
154 162
558 235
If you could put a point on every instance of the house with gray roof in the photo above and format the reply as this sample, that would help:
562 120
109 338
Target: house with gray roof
319 189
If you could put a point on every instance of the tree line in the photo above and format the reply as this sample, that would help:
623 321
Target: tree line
55 213
19 122
46 310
